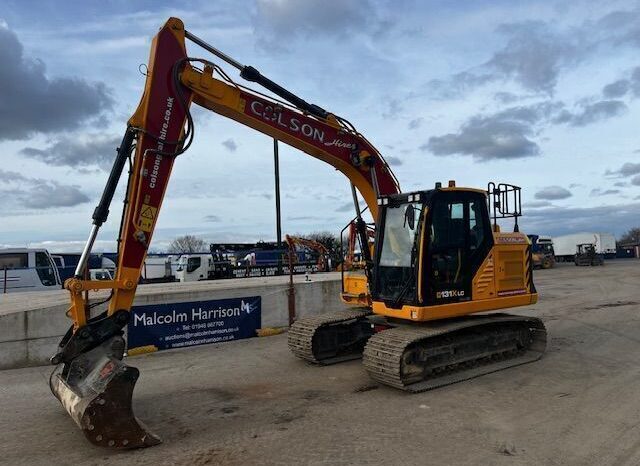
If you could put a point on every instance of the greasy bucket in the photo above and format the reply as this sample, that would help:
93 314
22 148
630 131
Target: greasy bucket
96 389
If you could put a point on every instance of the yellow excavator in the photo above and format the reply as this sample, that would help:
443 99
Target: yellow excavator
439 255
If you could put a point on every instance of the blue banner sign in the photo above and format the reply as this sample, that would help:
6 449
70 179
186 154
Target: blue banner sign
177 325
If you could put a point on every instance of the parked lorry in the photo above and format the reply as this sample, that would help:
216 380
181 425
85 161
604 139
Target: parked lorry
252 263
159 269
565 246
25 269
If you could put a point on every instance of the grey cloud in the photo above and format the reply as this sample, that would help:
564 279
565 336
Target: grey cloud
46 196
96 150
606 192
508 133
535 54
622 87
34 102
623 27
620 184
230 144
303 217
36 193
338 19
416 123
505 97
503 135
592 113
552 193
395 161
394 108
537 204
635 81
616 89
627 169
561 220
211 218
635 180
348 207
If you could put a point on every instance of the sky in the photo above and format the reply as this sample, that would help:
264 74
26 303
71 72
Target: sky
541 94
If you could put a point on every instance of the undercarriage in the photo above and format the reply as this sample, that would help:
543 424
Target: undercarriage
420 356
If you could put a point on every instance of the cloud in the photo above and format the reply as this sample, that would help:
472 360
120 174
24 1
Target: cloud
395 161
503 135
627 169
620 184
552 193
508 134
212 218
592 113
416 123
536 53
33 102
622 87
606 192
348 207
302 217
505 97
230 144
616 89
393 109
94 150
533 56
561 220
53 194
278 19
36 193
635 180
537 204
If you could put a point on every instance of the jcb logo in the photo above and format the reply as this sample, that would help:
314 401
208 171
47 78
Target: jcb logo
449 294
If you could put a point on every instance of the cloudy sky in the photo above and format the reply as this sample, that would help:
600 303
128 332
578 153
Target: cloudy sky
542 94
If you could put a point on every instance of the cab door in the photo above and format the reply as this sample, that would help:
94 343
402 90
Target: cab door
458 240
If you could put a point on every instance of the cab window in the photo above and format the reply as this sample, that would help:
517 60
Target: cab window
193 264
45 269
14 260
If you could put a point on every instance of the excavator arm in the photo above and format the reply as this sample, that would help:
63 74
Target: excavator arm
90 379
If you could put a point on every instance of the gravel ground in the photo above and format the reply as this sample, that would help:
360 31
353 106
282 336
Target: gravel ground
251 402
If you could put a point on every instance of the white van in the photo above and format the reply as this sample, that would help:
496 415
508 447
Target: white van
23 269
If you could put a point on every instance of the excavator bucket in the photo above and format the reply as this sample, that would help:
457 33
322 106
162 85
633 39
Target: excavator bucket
96 388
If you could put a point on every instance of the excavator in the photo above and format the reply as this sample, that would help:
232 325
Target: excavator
438 256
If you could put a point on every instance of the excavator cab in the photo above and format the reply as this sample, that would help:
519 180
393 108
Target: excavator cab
431 243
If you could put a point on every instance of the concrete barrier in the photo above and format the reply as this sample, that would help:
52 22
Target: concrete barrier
32 324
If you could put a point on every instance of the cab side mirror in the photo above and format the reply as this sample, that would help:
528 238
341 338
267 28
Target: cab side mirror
410 217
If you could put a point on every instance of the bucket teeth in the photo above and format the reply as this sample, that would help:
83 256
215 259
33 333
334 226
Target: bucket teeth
96 390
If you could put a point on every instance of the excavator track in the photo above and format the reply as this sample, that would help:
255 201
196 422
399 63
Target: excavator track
332 337
418 358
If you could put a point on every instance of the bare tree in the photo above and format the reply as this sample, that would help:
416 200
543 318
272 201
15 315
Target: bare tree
187 244
326 238
631 236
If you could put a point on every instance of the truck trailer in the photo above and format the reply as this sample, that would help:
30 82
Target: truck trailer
565 246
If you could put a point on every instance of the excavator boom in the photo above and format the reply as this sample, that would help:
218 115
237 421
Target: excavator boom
90 380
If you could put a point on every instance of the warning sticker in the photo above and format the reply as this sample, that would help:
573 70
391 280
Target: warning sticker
147 217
